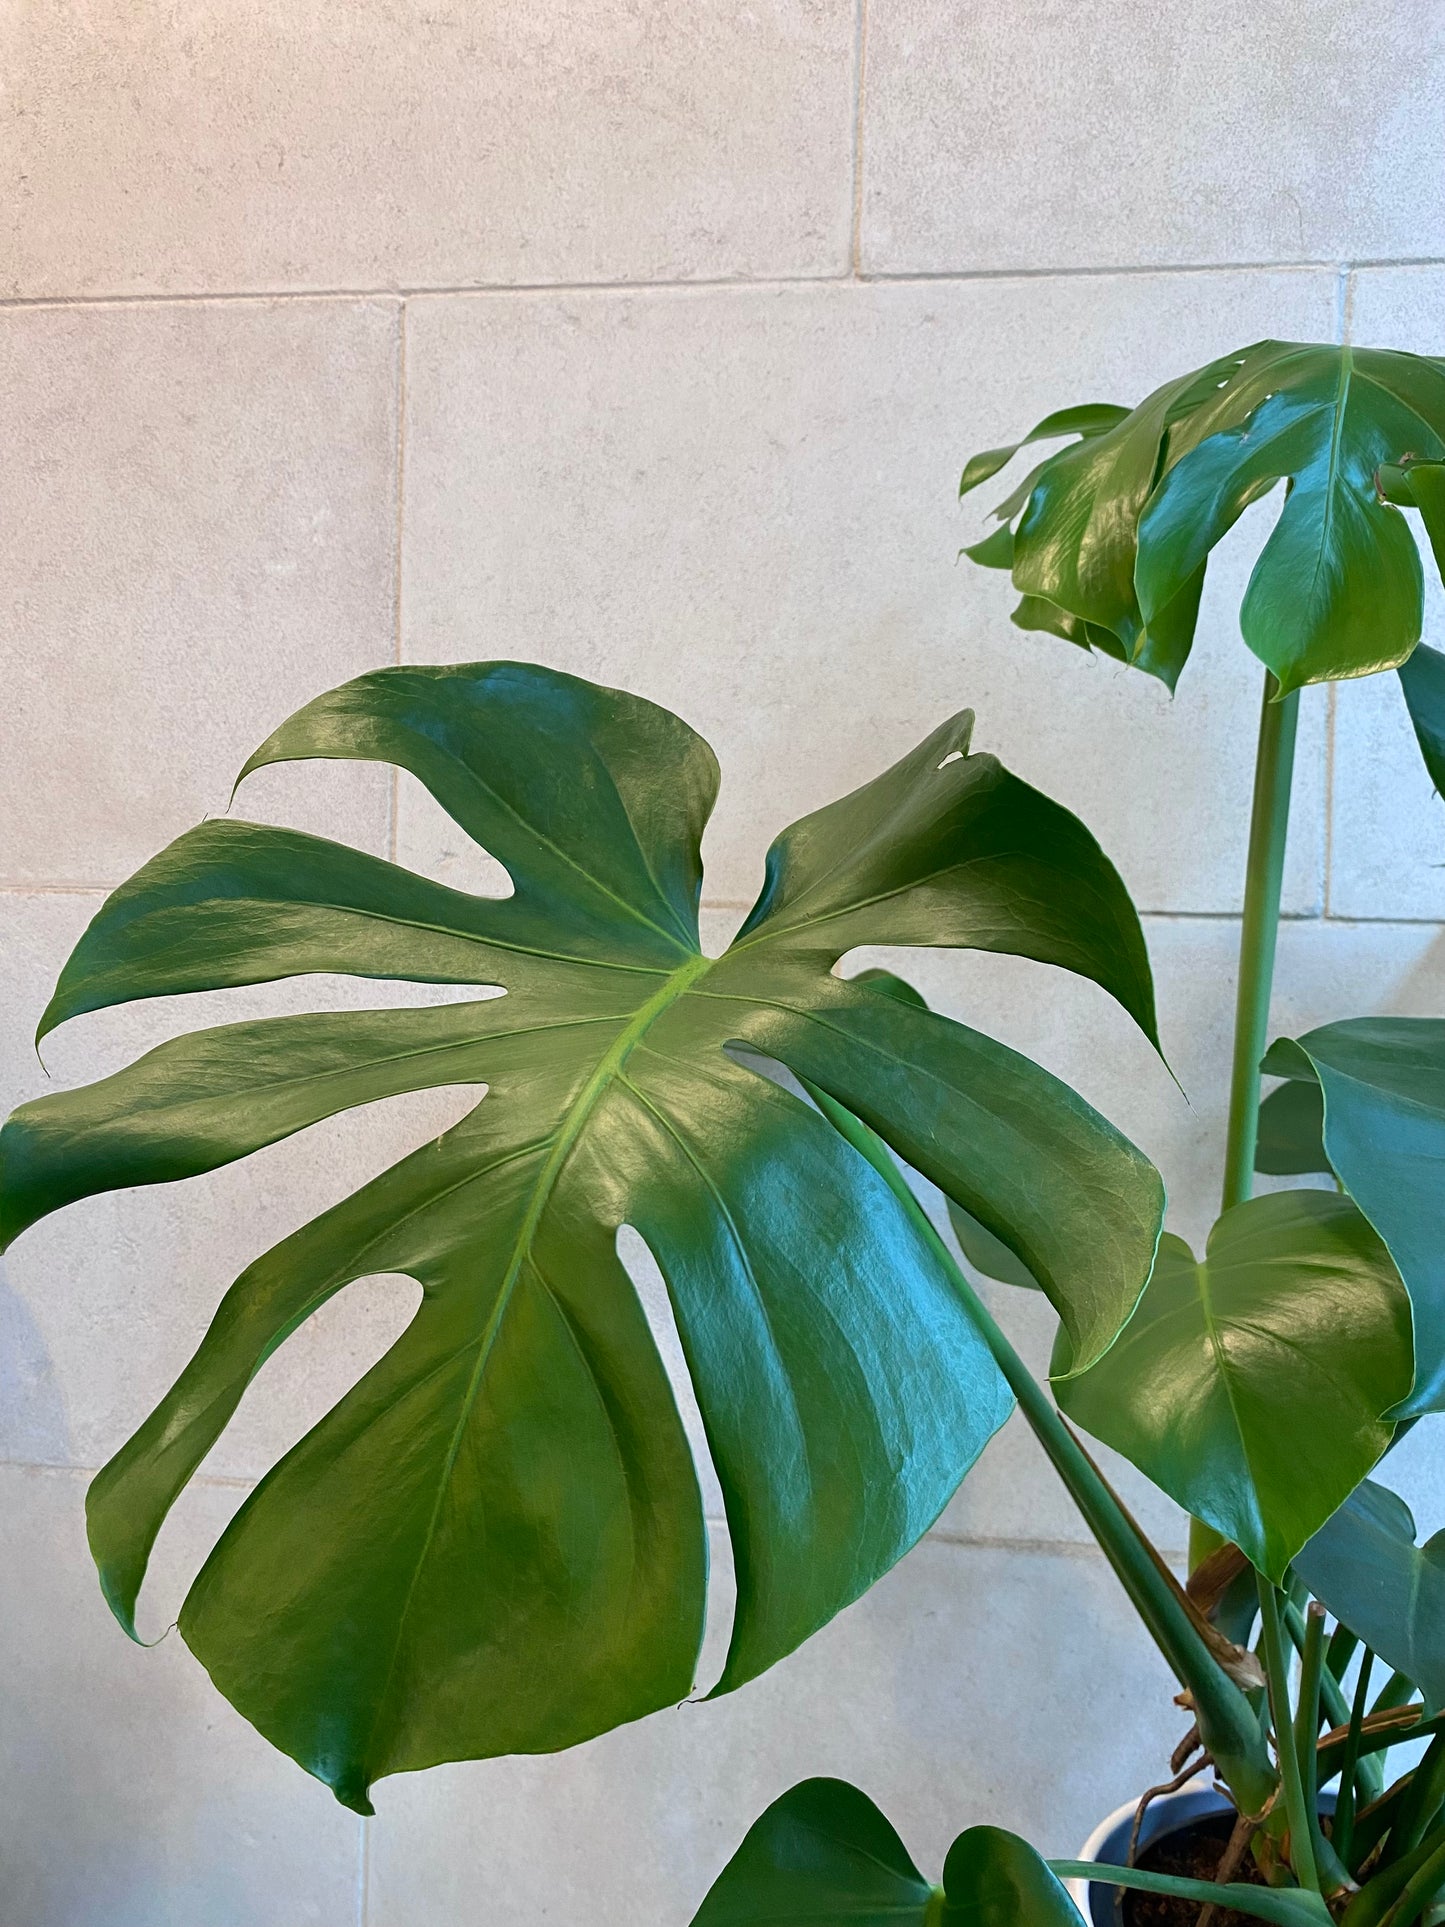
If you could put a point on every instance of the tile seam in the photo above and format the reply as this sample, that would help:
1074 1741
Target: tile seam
985 1541
860 76
1335 917
702 283
399 486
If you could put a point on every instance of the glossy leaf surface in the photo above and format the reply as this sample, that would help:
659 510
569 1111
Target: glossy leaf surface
819 1856
824 1856
982 1250
1251 1386
1114 532
1382 1080
991 1878
1365 1566
494 1542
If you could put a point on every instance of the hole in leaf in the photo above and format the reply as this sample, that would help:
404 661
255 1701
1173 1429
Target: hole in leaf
646 1275
953 756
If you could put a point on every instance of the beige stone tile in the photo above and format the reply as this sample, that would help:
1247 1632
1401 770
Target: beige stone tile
1387 850
132 1793
199 511
742 503
950 1693
1388 844
357 143
1398 308
1097 136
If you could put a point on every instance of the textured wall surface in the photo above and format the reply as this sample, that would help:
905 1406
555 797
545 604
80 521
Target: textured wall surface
644 338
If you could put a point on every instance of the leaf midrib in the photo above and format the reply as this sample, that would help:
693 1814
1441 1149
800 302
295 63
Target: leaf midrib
564 1140
1224 1368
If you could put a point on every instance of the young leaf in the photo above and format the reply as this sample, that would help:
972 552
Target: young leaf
1118 528
1365 1566
1382 1081
1075 543
494 1542
820 1854
1251 1386
1087 419
1337 589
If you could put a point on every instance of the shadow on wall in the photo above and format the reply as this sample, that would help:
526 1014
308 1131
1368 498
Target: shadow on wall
29 1394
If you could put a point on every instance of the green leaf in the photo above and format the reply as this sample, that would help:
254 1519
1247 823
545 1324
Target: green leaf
824 1856
494 1542
1251 1386
1075 544
1087 419
1422 678
1042 617
1118 527
1337 589
1365 1566
819 1856
995 551
993 1879
1382 1080
1290 1141
1412 483
984 1252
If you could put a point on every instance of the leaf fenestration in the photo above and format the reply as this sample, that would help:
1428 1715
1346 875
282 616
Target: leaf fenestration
494 1542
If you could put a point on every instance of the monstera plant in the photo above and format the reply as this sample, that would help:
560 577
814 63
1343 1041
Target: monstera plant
1259 1382
495 1543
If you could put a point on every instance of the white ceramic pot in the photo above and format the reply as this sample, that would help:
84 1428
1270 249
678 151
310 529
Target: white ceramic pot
1108 1844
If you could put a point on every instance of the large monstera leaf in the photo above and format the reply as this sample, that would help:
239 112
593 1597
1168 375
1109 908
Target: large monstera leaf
494 1542
1113 533
1378 1086
1254 1386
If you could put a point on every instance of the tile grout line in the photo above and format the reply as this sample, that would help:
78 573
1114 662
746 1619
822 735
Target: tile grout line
1331 707
676 285
1344 318
860 75
399 484
737 903
936 1535
363 1871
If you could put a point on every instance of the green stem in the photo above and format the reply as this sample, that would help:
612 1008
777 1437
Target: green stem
1422 1801
1286 1906
1336 1705
1341 1650
1269 821
1376 1900
1419 1892
1334 1875
1345 1805
1301 1834
1227 1723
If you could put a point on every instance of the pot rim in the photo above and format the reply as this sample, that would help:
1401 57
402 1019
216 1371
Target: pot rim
1078 1890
